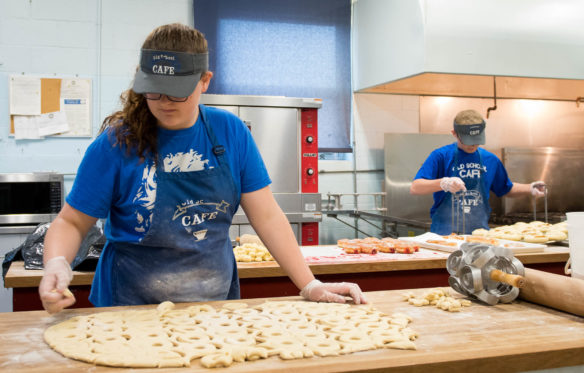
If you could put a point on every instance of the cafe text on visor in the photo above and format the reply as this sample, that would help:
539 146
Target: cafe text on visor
171 73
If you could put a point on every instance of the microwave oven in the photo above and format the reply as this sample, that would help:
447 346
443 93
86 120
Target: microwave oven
30 198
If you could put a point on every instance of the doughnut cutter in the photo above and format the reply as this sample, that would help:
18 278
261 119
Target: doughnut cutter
457 212
485 272
545 207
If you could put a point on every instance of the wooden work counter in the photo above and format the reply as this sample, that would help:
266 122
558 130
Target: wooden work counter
262 279
514 337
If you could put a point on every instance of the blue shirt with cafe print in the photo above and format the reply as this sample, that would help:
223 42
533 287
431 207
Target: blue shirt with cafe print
112 184
440 163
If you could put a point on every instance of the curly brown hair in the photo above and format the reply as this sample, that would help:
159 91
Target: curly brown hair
134 126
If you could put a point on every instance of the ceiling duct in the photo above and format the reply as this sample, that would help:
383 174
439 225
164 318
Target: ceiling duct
530 49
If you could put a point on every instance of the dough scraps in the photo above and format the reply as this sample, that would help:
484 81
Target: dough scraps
176 337
436 297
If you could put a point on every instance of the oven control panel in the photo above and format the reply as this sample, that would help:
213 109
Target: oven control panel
309 150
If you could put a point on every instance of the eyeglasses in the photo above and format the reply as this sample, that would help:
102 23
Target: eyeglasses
158 96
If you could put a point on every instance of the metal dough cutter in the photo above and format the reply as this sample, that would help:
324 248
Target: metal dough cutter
488 273
458 212
545 205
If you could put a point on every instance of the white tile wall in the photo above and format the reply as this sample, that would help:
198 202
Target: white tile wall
373 115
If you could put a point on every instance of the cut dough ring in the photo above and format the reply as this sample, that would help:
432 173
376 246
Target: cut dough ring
273 333
302 328
372 326
267 324
332 321
343 329
192 338
228 331
310 335
245 312
365 319
294 319
235 340
324 347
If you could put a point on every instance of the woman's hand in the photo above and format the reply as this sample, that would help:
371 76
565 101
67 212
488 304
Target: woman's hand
332 292
53 287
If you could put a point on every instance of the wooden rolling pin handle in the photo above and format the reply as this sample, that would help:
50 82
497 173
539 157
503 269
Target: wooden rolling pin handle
513 280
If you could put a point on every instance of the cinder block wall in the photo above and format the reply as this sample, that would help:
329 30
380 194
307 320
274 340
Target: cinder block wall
95 39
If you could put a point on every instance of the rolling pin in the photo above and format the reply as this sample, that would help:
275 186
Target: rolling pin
556 291
513 280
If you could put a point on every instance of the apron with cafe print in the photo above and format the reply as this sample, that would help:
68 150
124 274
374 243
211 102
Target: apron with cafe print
471 205
186 256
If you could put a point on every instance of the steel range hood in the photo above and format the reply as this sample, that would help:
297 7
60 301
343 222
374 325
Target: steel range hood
531 49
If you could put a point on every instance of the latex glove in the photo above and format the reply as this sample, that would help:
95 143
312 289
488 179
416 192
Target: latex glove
332 292
452 184
53 287
537 189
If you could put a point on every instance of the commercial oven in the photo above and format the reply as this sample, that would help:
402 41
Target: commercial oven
285 130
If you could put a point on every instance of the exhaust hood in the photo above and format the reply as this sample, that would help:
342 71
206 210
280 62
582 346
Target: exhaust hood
530 49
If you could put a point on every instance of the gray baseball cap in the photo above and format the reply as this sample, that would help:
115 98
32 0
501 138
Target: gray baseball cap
471 134
170 73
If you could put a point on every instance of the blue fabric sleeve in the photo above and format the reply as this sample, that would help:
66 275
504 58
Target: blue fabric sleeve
430 167
501 182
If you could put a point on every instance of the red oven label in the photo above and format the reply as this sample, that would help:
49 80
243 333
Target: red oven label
309 151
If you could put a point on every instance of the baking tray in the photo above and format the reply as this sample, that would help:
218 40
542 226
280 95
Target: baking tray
454 244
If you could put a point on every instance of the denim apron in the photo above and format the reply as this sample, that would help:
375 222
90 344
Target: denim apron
471 205
186 256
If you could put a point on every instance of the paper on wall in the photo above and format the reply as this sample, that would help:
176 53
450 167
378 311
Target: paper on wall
26 127
52 123
75 102
38 126
25 95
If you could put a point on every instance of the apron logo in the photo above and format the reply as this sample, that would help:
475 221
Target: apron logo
200 235
183 208
472 198
194 218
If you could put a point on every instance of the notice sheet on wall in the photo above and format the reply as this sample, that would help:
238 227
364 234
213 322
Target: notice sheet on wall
42 107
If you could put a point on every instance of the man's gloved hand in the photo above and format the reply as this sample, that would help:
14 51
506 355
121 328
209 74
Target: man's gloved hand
452 184
538 189
53 287
332 292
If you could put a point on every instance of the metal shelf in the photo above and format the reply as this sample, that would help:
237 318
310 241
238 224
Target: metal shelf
390 222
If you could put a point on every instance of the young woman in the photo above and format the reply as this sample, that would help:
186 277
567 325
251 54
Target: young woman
169 174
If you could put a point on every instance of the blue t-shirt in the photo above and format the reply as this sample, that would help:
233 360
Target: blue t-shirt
114 185
440 163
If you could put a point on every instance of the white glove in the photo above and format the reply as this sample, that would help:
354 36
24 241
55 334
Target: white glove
538 189
332 292
53 287
452 184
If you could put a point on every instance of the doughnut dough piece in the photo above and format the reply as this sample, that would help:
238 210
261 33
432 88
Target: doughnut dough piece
167 336
436 297
235 306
